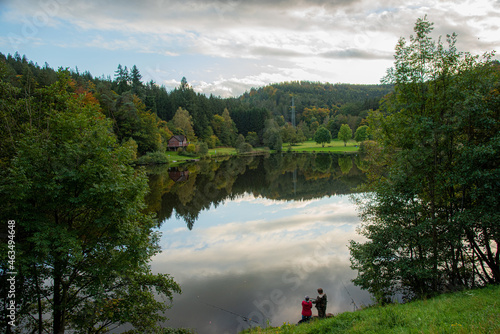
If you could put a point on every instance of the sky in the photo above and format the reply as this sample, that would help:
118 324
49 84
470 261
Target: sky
226 47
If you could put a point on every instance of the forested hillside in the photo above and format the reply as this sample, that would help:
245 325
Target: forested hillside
339 99
149 113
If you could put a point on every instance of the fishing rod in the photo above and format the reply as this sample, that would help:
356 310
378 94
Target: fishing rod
352 299
246 319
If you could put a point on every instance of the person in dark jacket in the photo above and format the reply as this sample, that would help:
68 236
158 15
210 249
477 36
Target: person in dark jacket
320 303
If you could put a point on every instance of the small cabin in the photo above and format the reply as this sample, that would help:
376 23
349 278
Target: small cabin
177 141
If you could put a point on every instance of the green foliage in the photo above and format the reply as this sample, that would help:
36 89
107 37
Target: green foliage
253 139
318 100
242 146
272 135
224 128
361 133
239 142
245 148
191 148
153 158
431 220
83 241
202 149
132 120
289 134
322 136
315 114
345 133
182 123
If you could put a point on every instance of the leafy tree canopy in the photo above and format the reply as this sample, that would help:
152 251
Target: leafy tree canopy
83 241
361 133
431 216
345 133
322 136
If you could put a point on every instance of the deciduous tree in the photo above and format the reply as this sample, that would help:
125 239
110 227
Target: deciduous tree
83 241
183 123
322 136
361 133
272 135
431 218
345 133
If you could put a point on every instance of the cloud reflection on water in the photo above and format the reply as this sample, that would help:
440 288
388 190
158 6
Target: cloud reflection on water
258 258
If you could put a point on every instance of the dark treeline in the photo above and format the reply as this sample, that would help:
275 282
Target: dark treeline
146 111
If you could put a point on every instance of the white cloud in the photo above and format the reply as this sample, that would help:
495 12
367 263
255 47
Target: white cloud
305 232
341 41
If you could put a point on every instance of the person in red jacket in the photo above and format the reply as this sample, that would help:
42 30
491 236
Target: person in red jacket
306 309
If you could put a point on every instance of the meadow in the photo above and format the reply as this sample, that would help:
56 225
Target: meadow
336 146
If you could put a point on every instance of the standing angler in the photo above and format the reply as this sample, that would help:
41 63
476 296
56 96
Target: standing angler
321 303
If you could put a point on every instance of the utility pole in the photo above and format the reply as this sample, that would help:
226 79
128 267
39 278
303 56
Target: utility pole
293 112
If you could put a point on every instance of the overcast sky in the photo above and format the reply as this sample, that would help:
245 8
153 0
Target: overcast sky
225 47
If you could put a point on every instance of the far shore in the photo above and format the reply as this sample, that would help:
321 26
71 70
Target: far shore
335 146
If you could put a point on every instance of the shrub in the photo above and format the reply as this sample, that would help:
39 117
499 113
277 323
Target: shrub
156 157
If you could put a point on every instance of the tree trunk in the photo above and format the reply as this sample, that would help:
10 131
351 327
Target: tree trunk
59 307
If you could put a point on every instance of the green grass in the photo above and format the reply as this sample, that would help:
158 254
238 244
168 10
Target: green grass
222 151
175 157
308 146
333 146
472 311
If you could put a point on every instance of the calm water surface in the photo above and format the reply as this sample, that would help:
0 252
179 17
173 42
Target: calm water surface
247 239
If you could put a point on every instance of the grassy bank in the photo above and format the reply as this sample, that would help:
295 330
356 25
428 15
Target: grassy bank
473 311
336 146
309 146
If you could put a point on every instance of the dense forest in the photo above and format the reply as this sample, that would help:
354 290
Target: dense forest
149 113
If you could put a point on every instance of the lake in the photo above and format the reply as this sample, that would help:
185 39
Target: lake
248 238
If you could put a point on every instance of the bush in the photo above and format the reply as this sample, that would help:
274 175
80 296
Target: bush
368 145
150 158
245 148
202 149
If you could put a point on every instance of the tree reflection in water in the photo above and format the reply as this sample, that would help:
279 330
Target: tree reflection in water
189 189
